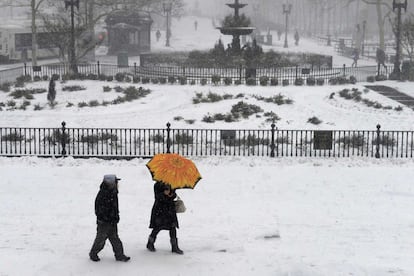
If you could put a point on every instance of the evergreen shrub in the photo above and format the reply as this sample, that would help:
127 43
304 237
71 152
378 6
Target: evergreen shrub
311 81
299 81
227 81
274 81
263 80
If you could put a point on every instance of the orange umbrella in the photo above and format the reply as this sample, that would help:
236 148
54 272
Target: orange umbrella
174 169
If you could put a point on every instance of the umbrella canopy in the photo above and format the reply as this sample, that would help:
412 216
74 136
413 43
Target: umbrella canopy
174 169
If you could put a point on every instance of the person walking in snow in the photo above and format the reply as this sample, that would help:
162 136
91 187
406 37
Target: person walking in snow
107 218
279 33
355 57
296 38
158 35
164 216
381 57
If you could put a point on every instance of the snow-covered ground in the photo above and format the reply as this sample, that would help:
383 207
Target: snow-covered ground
166 102
247 216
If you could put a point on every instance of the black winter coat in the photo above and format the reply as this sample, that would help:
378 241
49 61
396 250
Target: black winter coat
106 205
163 215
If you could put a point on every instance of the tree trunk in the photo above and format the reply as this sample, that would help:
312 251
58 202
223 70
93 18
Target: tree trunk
34 33
380 25
91 29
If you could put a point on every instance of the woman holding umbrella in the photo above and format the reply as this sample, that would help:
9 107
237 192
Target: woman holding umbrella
164 216
170 171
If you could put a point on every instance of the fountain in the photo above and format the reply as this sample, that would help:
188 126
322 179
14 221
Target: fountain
236 26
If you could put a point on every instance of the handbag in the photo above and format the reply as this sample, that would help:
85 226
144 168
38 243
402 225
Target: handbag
179 205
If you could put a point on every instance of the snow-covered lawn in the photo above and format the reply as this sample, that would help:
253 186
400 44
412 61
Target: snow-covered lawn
166 102
247 216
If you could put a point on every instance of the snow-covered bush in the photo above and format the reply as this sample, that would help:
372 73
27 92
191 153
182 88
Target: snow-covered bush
299 81
311 81
227 81
314 120
251 81
274 81
263 80
215 79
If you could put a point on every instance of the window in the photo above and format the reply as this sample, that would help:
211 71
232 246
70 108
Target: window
23 41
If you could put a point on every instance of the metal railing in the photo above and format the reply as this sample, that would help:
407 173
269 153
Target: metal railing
125 143
288 75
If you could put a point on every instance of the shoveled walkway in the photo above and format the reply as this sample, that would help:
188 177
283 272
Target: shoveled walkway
393 94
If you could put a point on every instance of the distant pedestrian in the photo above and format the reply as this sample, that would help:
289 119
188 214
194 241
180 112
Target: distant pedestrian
51 94
380 55
107 218
296 38
195 25
355 57
158 35
279 34
164 216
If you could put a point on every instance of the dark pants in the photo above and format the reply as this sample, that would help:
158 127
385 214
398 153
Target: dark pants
107 231
155 231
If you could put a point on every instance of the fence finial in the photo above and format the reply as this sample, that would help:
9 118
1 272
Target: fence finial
377 154
168 137
63 140
272 145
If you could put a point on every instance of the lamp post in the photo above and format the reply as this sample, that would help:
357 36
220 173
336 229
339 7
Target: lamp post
364 27
286 11
256 33
72 56
167 11
398 4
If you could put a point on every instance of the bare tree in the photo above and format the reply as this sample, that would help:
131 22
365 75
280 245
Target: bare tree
150 6
95 10
34 7
384 10
407 35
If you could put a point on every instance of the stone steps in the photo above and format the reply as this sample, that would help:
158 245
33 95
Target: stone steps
393 94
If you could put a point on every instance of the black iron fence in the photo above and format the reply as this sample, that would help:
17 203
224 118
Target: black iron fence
283 75
241 74
128 143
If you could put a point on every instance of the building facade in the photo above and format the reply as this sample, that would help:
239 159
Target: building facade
128 31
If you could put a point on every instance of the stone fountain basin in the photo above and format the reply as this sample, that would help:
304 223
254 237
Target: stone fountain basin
236 30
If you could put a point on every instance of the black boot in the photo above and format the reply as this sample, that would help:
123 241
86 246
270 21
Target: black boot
174 247
123 258
94 257
150 244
